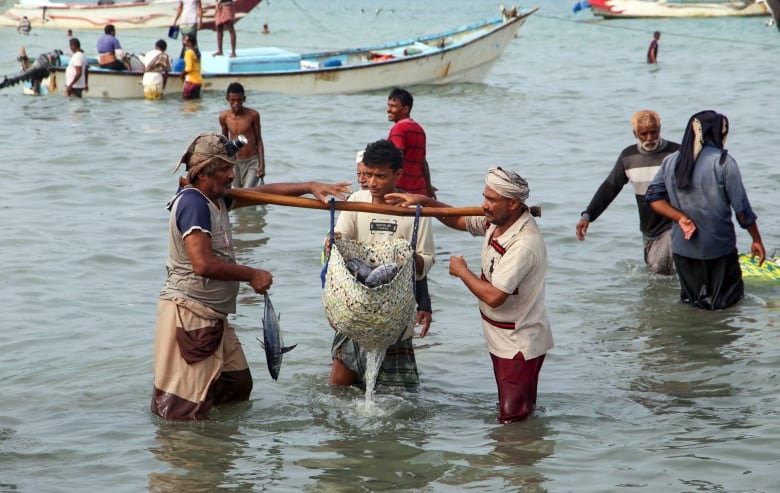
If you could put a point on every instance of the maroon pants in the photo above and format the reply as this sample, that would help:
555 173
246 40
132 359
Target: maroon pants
517 380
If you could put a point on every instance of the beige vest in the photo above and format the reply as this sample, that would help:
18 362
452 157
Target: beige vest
182 280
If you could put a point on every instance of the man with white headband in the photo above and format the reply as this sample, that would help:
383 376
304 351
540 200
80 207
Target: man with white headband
638 164
510 288
198 360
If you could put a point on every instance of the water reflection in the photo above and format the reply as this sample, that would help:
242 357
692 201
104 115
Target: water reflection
685 354
200 457
520 447
248 225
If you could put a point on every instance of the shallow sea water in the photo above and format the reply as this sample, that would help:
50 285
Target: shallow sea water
639 394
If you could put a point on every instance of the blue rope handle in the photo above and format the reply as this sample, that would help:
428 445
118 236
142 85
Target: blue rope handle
414 248
331 237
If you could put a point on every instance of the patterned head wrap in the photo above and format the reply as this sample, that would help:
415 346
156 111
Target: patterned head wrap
507 184
203 151
705 126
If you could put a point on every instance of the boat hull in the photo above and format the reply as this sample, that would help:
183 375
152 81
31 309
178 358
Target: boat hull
126 15
468 55
634 9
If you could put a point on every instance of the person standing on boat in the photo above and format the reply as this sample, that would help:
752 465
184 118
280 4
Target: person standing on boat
382 163
191 14
191 75
409 137
510 287
697 187
77 73
638 164
157 64
110 53
652 51
198 360
242 120
225 18
24 26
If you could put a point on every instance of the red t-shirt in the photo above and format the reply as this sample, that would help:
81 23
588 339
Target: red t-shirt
409 137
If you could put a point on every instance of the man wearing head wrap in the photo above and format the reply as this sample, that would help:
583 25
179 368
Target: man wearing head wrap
638 164
198 360
697 188
510 288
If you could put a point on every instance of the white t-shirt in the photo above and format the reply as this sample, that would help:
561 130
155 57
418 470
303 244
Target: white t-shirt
77 60
151 78
189 12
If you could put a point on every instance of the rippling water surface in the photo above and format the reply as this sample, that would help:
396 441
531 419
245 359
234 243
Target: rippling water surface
639 394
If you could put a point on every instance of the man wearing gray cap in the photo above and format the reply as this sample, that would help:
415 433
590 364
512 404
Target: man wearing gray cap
198 360
510 289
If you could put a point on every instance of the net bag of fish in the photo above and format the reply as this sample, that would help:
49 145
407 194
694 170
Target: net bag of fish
372 312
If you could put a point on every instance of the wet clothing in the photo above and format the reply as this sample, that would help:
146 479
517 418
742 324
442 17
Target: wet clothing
637 166
711 284
517 333
246 172
658 253
397 373
408 136
399 368
715 190
156 63
517 381
198 360
194 79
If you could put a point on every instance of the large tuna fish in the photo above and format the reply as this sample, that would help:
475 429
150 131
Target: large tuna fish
272 339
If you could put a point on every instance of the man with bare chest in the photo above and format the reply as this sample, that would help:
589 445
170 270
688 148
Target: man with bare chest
241 120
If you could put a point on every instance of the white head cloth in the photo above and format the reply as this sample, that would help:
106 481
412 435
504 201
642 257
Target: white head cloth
507 184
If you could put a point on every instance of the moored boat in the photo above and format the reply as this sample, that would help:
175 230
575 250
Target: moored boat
465 54
124 15
628 9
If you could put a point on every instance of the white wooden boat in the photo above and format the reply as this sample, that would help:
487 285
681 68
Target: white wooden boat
466 54
124 15
628 9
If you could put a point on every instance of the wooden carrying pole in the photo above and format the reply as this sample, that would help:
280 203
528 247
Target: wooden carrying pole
261 198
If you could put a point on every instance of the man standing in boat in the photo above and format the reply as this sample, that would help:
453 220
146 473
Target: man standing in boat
225 18
638 164
241 120
191 14
198 360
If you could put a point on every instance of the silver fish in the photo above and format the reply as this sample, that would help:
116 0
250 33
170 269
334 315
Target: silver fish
382 274
272 339
359 269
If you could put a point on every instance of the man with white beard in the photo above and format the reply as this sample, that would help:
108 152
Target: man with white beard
638 164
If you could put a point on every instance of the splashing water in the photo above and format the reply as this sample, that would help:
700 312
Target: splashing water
374 359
